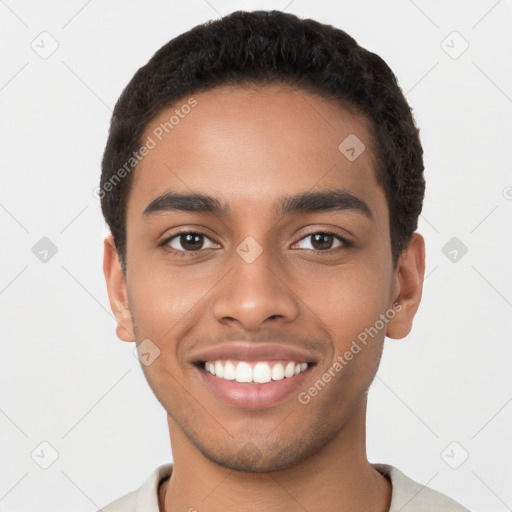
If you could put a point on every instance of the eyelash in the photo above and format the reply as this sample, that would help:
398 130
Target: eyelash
185 253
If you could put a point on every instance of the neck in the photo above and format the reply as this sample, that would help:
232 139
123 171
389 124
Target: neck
338 478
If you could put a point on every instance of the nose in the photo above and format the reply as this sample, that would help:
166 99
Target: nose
256 292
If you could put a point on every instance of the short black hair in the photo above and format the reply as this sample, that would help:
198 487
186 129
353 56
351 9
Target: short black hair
262 48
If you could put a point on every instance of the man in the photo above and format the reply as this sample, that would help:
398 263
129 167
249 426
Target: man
262 182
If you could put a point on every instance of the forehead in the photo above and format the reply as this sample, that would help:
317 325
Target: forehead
250 145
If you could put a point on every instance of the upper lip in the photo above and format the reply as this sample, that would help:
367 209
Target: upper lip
250 351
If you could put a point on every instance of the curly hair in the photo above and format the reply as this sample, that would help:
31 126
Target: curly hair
271 47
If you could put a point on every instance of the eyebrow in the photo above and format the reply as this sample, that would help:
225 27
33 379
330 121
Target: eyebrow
308 202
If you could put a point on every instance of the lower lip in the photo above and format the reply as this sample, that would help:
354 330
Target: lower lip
252 395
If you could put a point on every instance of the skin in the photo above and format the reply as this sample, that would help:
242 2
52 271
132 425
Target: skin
248 147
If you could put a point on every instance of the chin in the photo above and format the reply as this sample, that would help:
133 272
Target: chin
251 459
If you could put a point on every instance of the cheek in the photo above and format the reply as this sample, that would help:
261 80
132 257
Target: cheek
163 302
167 308
347 299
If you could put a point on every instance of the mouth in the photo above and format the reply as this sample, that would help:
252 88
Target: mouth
260 372
248 377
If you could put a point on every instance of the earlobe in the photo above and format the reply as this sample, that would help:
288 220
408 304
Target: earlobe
409 276
117 290
124 329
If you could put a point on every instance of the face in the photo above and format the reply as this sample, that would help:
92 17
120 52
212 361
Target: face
271 278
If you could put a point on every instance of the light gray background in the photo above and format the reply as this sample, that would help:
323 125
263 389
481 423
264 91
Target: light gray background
66 379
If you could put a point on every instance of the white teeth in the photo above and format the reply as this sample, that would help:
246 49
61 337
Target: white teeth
243 372
219 369
209 367
277 372
288 371
261 373
229 371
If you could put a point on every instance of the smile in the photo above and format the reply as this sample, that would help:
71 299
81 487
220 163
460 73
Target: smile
260 372
249 375
253 384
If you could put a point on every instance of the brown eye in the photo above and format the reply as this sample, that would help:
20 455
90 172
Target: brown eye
187 241
322 241
191 241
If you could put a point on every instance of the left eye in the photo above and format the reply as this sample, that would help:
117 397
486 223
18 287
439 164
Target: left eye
322 241
189 241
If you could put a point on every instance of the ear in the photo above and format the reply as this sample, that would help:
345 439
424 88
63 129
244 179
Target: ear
117 290
408 287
